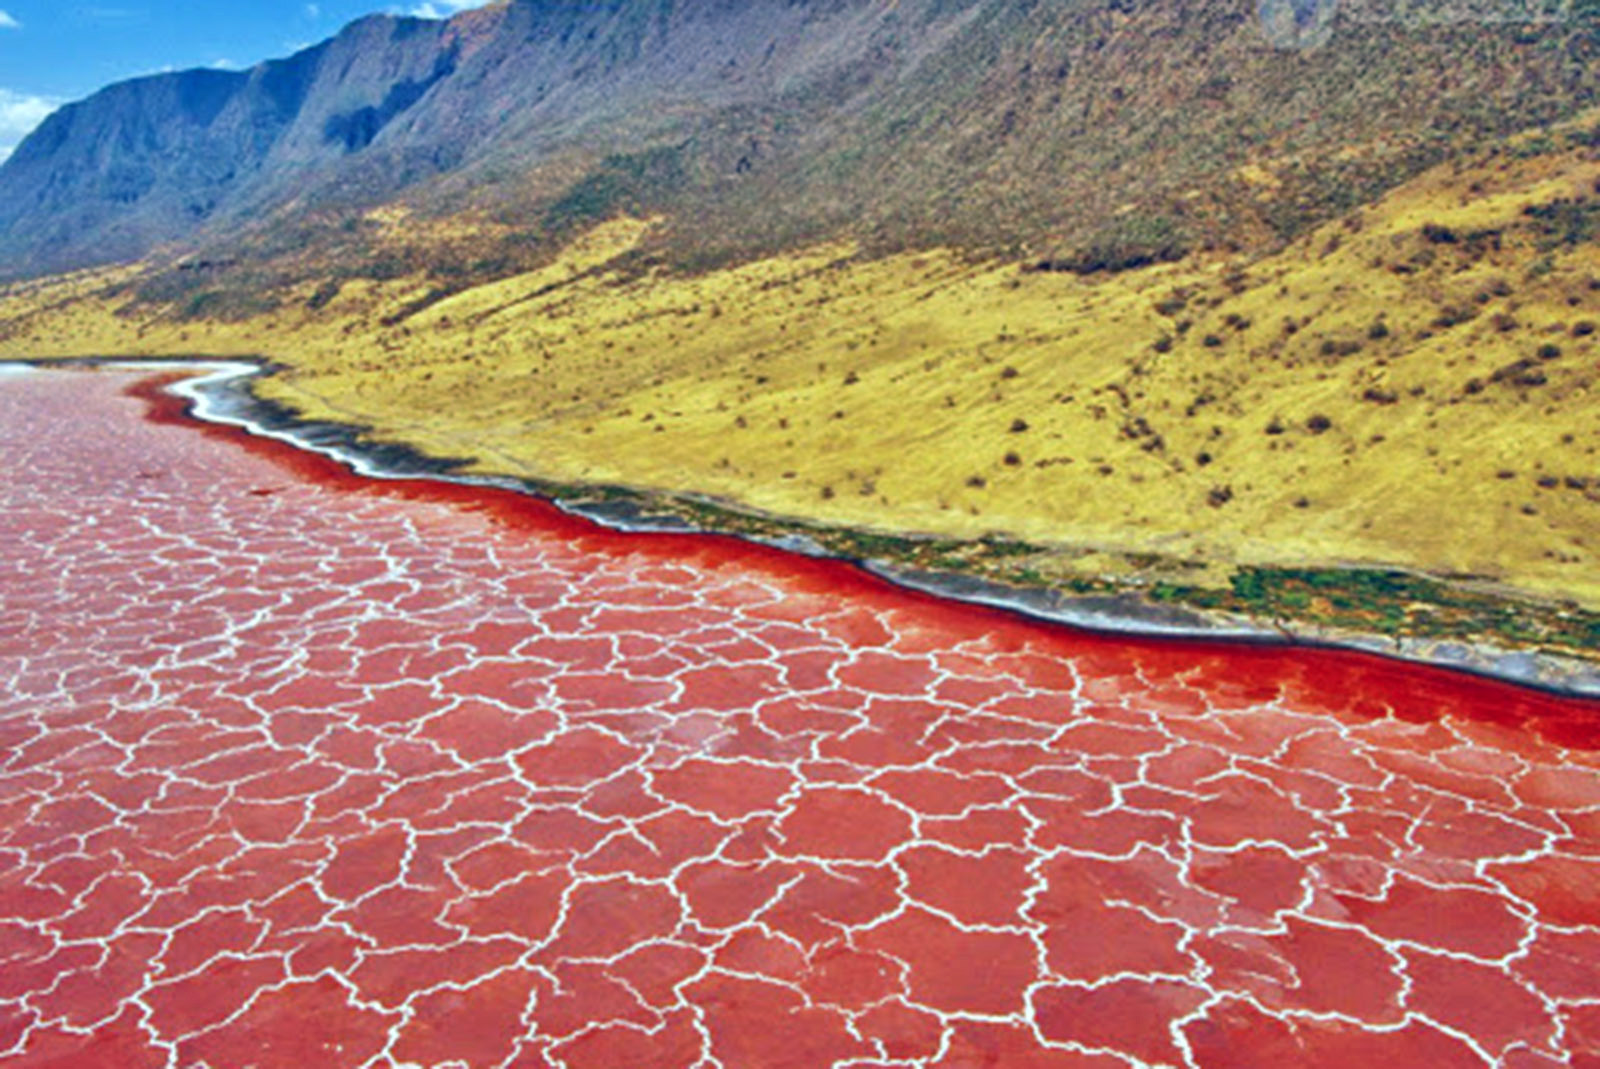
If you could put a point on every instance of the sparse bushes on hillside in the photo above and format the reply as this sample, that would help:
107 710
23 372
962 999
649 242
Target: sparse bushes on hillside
622 182
1520 373
1125 244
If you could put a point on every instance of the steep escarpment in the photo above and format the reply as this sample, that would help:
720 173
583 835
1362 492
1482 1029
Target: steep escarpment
494 97
1085 133
158 159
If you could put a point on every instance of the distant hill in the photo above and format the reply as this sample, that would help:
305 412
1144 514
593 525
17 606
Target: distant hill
1084 133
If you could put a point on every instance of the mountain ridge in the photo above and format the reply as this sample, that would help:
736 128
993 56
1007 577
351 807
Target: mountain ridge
1084 133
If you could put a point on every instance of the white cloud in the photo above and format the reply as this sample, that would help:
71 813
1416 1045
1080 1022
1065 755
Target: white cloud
313 12
7 22
442 9
19 114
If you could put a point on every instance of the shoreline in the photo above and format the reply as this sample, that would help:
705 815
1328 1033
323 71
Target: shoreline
216 392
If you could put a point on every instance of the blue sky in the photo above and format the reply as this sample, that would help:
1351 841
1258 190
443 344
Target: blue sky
53 51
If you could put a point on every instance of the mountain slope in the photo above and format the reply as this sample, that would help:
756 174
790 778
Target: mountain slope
1088 131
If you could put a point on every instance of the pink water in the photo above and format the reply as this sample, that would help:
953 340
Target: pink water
304 770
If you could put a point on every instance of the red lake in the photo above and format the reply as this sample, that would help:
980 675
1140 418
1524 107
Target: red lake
299 768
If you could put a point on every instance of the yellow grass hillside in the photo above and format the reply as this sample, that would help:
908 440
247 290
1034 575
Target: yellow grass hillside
1413 385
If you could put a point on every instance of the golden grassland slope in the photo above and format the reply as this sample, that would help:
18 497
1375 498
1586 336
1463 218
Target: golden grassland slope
1414 385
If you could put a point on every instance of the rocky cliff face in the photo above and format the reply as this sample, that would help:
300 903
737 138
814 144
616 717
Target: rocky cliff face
156 159
1094 130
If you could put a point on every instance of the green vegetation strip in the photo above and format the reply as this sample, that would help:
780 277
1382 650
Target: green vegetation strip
1388 603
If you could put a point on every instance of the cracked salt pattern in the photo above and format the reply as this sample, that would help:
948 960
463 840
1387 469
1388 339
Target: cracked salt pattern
310 771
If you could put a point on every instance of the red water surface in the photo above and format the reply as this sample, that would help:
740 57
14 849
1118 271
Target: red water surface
298 769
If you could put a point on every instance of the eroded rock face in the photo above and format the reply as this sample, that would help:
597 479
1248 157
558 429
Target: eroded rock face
159 157
304 769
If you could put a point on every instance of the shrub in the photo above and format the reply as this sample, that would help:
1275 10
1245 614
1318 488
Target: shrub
324 295
1124 245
